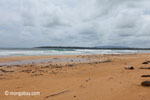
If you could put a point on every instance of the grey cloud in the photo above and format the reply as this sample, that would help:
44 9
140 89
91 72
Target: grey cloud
29 23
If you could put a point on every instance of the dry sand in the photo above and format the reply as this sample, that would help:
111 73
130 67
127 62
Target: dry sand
103 77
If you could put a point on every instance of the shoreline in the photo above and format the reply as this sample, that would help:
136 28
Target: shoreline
102 77
60 56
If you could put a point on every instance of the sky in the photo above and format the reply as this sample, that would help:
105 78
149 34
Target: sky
32 23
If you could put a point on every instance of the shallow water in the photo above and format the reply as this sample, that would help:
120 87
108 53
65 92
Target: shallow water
22 62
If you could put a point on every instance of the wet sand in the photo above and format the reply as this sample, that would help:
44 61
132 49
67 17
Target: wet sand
80 77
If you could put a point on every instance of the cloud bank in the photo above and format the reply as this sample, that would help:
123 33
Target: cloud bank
30 23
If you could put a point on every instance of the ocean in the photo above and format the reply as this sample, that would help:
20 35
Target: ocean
47 51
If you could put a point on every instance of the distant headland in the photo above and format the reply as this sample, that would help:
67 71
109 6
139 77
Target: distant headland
96 47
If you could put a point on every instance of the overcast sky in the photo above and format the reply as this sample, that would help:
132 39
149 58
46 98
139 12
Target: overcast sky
30 23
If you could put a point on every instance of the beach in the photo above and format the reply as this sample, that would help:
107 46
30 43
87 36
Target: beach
74 77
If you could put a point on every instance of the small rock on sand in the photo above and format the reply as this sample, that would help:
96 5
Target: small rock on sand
145 83
129 67
146 62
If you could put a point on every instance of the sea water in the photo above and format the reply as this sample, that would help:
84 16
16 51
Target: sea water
60 51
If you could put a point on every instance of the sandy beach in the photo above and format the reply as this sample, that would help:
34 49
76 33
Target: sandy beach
75 77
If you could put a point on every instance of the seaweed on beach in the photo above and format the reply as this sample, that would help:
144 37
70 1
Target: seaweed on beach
26 71
5 71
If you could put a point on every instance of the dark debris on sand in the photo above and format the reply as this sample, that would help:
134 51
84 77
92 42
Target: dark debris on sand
144 67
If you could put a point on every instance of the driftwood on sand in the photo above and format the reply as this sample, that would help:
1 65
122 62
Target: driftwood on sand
145 76
55 94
